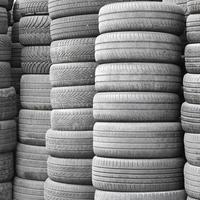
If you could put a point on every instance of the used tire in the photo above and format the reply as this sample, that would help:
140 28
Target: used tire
6 191
5 75
193 6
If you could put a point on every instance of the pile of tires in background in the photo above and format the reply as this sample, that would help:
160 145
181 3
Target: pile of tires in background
138 135
7 108
191 108
34 117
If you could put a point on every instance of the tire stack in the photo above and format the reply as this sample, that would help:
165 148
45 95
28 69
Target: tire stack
137 136
34 117
191 106
7 109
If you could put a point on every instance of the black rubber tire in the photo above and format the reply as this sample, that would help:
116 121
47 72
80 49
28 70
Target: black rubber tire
138 140
190 117
141 16
5 47
16 55
137 175
16 74
70 144
136 107
3 21
35 92
15 32
72 74
28 189
73 50
16 11
193 6
72 97
138 46
5 75
33 125
70 171
72 119
6 191
169 195
61 191
31 162
36 59
35 30
4 3
74 27
145 77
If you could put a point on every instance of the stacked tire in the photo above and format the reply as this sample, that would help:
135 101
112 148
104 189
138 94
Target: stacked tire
7 109
191 106
137 136
34 117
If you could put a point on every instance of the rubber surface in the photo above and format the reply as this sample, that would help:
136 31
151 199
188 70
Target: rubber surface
6 191
16 11
5 47
3 21
16 55
193 6
5 75
15 32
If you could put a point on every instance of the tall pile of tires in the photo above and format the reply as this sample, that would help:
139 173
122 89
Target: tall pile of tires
7 109
34 117
191 107
138 135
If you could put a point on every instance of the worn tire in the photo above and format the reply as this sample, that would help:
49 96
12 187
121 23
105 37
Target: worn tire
33 125
70 144
72 74
193 6
3 21
16 55
138 77
73 50
35 92
136 107
5 75
5 47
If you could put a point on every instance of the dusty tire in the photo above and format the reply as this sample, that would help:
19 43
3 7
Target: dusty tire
193 6
72 119
137 175
5 47
72 50
6 191
72 97
138 140
136 107
70 144
16 74
15 32
5 75
71 171
36 59
35 30
35 92
33 125
31 162
3 21
53 190
138 77
141 16
16 55
72 74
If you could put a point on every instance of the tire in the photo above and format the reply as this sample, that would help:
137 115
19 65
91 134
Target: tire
193 6
31 162
16 74
53 190
6 167
34 7
141 16
72 50
6 191
5 47
193 28
192 61
142 175
28 189
70 144
16 55
136 107
8 104
8 135
138 46
72 119
5 77
145 77
191 86
192 151
75 27
138 140
72 74
71 171
33 125
15 32
189 198
17 11
192 177
72 97
4 3
35 30
35 92
190 117
36 59
169 195
3 21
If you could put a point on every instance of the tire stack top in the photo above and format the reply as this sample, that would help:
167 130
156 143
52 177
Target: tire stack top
137 136
34 117
190 111
7 108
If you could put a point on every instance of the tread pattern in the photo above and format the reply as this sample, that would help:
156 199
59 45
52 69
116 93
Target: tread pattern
3 21
5 47
193 6
5 78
